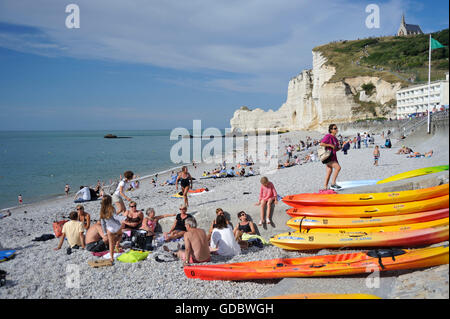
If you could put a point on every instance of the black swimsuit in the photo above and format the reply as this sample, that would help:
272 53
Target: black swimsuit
185 182
180 222
245 228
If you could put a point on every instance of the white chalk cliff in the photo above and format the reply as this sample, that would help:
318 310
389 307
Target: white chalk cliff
313 102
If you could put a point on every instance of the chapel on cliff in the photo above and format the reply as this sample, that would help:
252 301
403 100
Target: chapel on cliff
408 29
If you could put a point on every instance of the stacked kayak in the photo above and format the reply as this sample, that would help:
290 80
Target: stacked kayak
325 265
371 211
305 222
392 219
306 199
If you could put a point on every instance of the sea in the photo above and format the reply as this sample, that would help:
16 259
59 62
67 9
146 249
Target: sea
38 164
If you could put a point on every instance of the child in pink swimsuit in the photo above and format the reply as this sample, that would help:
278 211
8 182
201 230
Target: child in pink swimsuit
267 196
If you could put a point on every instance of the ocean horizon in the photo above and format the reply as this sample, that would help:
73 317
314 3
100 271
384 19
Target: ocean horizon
38 164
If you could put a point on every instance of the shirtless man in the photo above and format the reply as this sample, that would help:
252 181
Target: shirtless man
96 240
196 243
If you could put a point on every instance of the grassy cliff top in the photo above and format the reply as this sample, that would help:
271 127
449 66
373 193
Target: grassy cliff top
393 59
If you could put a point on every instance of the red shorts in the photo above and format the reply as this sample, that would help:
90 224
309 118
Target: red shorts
193 261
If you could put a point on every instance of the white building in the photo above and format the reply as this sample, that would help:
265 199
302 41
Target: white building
414 99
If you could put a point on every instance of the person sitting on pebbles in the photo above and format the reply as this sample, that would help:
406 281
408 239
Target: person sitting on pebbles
96 239
219 211
244 226
83 217
196 244
151 221
178 229
73 230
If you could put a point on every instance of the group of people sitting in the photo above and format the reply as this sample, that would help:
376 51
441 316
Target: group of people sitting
231 172
108 232
221 239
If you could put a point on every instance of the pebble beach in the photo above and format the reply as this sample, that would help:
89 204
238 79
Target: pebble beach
37 271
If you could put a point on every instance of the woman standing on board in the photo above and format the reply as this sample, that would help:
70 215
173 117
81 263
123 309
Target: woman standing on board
330 141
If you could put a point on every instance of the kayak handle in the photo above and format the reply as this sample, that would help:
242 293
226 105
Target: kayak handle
358 235
366 198
317 266
371 211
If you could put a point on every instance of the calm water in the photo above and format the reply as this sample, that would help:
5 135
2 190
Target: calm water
39 164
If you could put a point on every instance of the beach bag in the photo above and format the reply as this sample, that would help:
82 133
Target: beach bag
323 153
143 241
58 226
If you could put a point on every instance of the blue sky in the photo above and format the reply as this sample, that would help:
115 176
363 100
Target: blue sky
160 64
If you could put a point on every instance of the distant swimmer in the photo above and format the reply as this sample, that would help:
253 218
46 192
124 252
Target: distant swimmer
67 189
20 199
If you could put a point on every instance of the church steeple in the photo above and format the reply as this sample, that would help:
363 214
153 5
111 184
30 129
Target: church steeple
403 19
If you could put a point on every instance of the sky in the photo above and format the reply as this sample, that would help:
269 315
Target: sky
162 64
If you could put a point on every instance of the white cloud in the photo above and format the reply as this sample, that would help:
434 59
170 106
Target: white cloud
262 42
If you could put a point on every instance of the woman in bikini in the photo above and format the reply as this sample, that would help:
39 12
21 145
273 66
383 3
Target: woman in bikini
134 217
185 182
150 221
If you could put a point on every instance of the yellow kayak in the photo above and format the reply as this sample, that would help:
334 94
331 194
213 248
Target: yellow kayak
397 236
415 173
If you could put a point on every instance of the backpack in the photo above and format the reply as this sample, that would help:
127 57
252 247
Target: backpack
58 226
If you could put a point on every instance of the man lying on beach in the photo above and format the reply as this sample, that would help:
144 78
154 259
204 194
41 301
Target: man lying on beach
178 229
73 230
96 239
196 244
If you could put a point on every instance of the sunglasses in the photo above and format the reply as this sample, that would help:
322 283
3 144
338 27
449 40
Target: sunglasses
183 208
132 206
334 128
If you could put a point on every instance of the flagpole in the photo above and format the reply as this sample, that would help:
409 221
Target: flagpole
429 86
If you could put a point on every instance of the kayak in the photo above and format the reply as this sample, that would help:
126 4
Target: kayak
319 240
405 175
371 211
415 173
358 183
325 265
324 296
306 222
378 229
365 199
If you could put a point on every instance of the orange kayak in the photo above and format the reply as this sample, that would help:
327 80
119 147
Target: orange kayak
305 222
371 211
411 235
365 199
324 265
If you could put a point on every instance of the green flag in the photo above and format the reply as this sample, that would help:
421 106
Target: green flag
435 44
